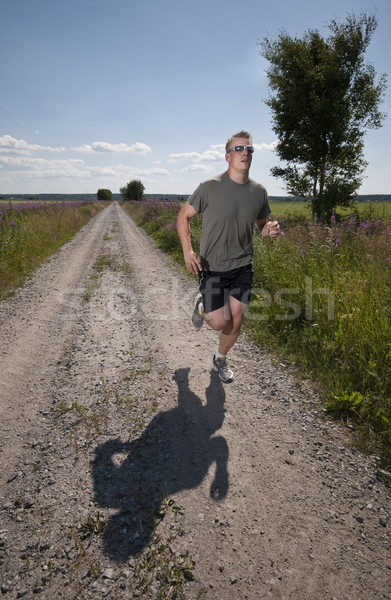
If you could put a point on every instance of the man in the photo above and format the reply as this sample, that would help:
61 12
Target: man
231 204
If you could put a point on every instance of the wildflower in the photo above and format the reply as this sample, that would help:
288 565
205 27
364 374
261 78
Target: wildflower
366 225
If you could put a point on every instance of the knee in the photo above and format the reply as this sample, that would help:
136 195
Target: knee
216 323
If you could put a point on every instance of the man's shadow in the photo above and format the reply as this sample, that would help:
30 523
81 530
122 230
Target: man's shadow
173 453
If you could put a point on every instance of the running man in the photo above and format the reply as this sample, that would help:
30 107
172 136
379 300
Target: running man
231 204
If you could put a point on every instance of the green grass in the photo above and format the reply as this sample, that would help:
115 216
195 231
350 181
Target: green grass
28 236
321 301
301 211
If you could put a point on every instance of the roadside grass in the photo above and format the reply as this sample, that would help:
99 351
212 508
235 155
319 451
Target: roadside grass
322 302
30 233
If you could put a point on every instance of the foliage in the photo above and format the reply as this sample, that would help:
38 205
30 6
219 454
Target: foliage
134 190
325 96
31 231
159 221
105 195
322 295
92 525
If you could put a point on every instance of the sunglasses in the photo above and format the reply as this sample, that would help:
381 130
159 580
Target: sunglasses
250 149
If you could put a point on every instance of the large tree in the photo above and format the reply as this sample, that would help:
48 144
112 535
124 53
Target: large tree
323 98
134 190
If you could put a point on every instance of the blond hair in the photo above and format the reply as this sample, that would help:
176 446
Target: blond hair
241 134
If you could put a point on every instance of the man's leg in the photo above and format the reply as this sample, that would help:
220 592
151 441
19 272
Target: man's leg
228 320
231 330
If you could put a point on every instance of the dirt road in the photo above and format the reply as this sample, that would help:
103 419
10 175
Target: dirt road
127 468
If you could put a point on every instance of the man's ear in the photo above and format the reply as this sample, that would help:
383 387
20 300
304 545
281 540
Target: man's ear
228 157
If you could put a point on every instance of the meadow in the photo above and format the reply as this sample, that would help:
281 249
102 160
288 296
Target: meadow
321 303
30 232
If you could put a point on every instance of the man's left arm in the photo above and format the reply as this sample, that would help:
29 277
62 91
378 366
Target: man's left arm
267 227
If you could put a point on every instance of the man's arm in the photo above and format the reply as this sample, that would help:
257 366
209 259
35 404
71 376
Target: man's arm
192 260
267 227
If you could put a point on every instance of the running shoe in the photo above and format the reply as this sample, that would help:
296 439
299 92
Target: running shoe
220 365
197 318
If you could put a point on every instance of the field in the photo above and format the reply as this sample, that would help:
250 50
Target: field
321 302
30 232
381 210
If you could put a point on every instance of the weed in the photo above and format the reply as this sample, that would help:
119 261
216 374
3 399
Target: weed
92 525
96 569
91 288
85 417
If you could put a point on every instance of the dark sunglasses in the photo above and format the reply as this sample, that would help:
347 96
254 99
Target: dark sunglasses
250 149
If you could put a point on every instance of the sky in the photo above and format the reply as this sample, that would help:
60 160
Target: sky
95 93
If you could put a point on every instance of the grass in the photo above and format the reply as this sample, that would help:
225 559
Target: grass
31 232
321 301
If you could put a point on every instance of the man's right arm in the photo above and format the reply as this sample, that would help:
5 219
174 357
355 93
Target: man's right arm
192 260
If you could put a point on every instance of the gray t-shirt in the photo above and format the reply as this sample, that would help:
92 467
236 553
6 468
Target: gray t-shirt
229 211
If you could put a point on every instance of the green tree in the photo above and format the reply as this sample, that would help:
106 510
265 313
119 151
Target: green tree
134 190
105 195
323 97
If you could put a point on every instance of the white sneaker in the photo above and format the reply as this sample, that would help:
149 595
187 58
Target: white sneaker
225 374
196 318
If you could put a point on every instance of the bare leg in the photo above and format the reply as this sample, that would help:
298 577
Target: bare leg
228 320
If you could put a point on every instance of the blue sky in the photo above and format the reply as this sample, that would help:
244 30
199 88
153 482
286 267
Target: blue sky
95 93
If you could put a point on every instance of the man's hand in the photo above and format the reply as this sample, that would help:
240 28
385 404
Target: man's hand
193 262
271 229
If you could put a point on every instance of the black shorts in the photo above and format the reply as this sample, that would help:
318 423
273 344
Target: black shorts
216 287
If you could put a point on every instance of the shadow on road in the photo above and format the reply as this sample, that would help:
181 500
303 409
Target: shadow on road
174 453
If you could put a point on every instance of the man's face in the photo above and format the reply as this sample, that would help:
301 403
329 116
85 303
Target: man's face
239 160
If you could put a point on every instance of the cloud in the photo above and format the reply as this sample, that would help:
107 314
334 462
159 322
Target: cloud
100 147
214 153
35 169
264 146
23 163
10 144
197 167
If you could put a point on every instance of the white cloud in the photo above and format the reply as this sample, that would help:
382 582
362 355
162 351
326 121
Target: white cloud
198 167
215 152
10 144
97 147
264 146
183 156
23 163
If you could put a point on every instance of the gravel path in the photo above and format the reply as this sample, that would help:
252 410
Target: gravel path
129 471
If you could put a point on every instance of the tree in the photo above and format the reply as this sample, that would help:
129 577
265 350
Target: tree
104 195
325 96
134 190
